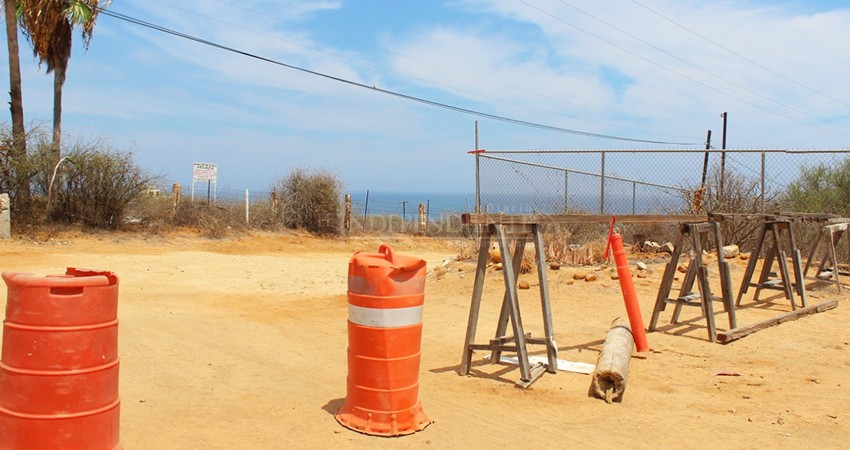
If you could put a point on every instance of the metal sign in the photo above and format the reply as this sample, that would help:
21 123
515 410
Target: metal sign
204 172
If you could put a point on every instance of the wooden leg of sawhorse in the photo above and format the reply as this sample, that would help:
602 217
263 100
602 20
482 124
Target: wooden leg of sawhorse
667 280
799 279
545 301
725 279
510 303
751 265
475 304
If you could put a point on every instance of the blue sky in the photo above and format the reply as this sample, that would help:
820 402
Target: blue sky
779 68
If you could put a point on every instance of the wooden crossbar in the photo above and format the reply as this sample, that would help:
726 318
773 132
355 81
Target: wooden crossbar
487 219
725 337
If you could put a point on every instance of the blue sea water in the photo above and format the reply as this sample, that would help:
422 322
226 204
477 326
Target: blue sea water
407 203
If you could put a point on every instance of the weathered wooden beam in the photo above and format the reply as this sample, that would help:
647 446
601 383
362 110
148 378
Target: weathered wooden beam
730 335
612 367
545 219
777 215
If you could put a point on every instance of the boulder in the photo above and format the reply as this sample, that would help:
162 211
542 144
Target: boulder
651 247
731 251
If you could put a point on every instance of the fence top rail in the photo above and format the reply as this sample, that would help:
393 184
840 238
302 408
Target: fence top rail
582 172
525 219
483 152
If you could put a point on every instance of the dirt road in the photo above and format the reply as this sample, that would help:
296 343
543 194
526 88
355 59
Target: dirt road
241 344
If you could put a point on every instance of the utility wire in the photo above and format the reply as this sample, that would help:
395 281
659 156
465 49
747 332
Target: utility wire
739 86
408 57
385 91
761 66
422 80
706 85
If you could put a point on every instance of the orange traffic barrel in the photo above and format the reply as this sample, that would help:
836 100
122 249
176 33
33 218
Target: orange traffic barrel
386 293
59 366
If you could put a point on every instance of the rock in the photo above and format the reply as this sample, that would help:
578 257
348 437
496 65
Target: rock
497 267
640 265
731 251
590 277
569 282
554 265
682 268
580 275
495 253
615 276
523 284
668 248
439 271
651 247
641 274
460 269
744 256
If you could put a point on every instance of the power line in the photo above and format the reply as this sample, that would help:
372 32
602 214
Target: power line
402 55
384 91
739 86
706 85
765 68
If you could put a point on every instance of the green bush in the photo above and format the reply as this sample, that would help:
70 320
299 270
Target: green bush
821 189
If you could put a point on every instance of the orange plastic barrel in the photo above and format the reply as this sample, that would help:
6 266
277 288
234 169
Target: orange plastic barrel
386 293
59 366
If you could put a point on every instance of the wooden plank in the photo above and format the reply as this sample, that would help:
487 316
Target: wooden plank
730 335
547 219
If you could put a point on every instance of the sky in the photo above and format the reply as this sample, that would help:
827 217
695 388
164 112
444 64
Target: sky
661 70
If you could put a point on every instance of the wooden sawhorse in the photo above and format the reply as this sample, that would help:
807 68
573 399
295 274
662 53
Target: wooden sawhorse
774 226
835 231
517 342
696 272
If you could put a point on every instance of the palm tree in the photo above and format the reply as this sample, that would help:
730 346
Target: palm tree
19 142
48 25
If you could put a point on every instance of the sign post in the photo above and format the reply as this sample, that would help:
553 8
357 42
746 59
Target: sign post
202 172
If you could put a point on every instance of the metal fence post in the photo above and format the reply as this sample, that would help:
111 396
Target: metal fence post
566 191
602 186
477 173
634 194
762 182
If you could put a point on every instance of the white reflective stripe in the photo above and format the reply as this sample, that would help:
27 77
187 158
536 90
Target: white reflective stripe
385 318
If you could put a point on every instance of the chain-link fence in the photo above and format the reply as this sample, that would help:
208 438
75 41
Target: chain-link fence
633 181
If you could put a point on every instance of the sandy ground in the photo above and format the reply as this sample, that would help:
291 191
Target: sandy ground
241 343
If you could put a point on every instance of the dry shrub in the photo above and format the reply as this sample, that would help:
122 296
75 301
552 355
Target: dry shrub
310 201
95 187
575 243
466 249
211 221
